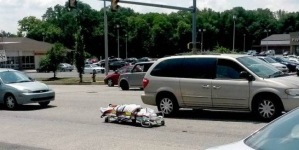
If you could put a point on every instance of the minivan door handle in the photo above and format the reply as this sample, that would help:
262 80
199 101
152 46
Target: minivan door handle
206 86
216 87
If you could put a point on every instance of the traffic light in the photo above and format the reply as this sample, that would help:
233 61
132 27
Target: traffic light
72 3
114 5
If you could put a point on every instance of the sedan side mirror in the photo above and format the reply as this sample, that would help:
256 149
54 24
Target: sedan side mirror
246 75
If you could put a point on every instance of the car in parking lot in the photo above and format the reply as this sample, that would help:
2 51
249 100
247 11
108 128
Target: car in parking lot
112 79
66 67
135 76
90 68
276 64
281 134
18 88
291 65
229 82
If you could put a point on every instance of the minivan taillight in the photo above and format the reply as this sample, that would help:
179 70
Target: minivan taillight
145 82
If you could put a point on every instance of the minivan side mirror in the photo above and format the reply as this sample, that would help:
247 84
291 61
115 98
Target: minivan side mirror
246 75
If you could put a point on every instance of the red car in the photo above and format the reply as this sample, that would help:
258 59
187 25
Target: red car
112 79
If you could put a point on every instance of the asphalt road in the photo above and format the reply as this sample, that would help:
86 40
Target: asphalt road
72 122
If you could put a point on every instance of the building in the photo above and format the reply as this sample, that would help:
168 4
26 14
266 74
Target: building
25 53
280 43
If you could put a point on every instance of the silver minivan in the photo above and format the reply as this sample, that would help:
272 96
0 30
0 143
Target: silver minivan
228 82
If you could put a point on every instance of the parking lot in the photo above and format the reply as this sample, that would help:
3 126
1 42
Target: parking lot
73 121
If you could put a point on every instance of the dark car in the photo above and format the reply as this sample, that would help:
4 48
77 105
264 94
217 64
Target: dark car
117 64
132 61
144 59
262 53
291 65
112 79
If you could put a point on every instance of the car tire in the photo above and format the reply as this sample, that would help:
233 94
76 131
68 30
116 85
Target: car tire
44 104
267 109
10 102
124 85
167 104
110 83
297 73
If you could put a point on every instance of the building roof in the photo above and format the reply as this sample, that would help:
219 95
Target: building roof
278 37
26 44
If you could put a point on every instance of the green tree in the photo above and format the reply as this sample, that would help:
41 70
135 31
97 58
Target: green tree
55 56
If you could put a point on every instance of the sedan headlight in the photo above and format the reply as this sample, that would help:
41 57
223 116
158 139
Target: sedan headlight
26 91
292 92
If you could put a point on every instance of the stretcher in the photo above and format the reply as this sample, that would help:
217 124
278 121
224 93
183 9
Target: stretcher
132 113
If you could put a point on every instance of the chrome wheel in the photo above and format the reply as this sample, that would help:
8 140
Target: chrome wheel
266 109
10 102
110 83
166 106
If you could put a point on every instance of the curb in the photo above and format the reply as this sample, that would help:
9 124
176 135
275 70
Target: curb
83 83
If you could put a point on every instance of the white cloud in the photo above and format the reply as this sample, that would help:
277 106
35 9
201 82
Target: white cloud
11 11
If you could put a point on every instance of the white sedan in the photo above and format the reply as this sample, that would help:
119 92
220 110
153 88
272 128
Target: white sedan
90 68
281 134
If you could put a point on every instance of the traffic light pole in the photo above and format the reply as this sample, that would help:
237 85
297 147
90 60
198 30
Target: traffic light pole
106 39
192 10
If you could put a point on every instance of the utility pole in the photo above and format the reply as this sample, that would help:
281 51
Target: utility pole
244 42
234 18
194 50
117 26
266 37
106 39
126 46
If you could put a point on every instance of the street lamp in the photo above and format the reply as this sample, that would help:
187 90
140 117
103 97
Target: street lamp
201 43
267 31
117 26
126 46
234 18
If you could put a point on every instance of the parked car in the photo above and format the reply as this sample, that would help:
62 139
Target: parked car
132 60
144 59
18 88
134 77
276 64
280 134
66 67
230 82
291 65
270 52
262 53
251 52
90 68
112 79
117 64
286 53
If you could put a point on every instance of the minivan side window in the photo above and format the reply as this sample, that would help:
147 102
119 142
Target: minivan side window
227 69
142 67
168 68
199 68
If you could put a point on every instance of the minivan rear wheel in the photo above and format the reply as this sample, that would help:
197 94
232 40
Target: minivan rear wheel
168 105
267 109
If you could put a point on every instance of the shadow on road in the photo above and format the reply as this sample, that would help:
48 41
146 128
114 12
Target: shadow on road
27 107
227 116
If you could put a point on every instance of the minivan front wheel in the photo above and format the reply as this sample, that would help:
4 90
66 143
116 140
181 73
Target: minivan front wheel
168 105
267 109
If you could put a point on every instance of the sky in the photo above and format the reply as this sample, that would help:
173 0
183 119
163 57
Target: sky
11 11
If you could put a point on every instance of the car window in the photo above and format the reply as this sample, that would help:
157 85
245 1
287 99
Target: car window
200 68
282 134
168 68
227 69
14 77
138 68
270 60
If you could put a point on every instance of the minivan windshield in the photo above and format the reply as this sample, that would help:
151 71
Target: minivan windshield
259 67
270 60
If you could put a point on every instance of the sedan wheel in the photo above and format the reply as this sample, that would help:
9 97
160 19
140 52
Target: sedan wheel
110 83
10 102
44 104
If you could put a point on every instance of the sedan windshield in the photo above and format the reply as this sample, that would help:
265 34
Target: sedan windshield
282 134
259 67
14 77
